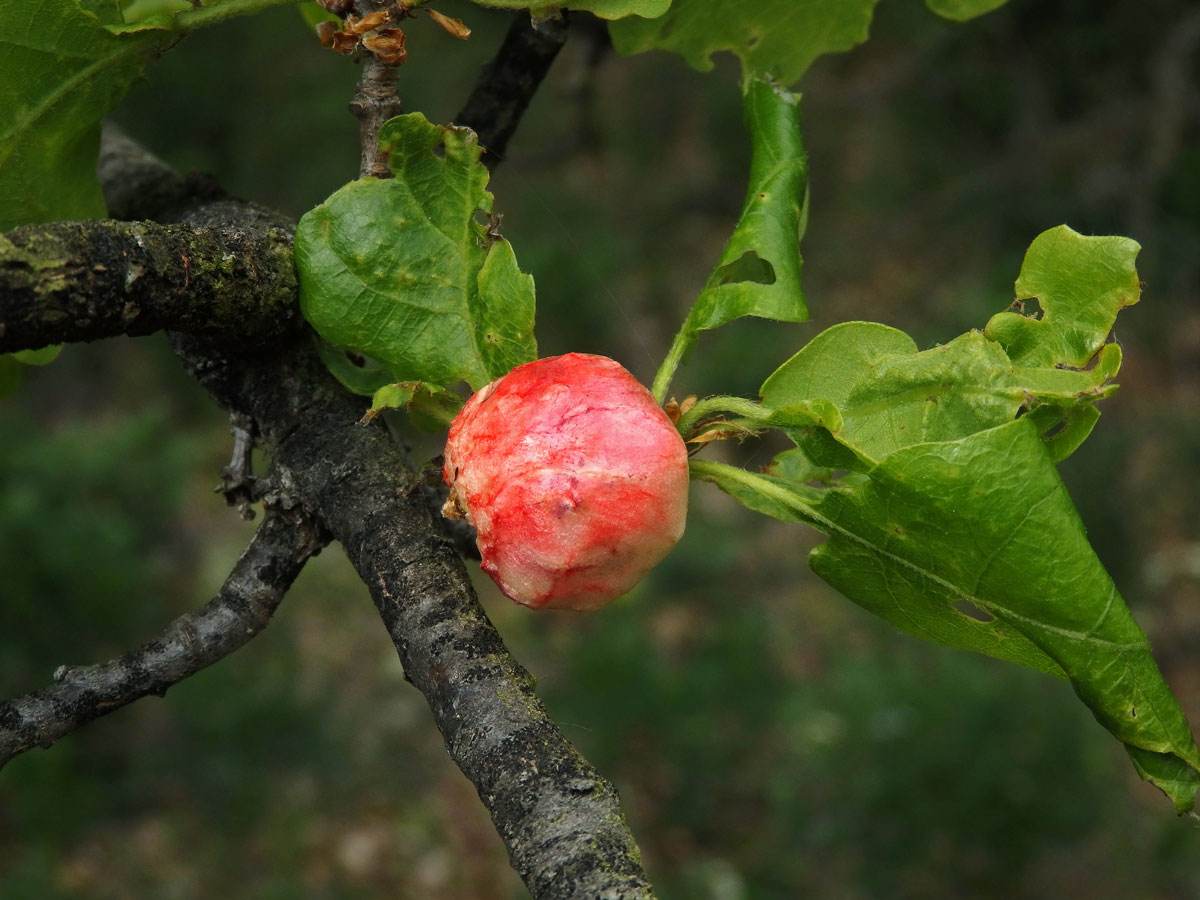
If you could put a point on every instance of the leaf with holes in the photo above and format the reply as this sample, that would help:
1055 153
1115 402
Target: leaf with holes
409 270
779 38
758 273
1054 367
1080 283
949 519
974 543
759 270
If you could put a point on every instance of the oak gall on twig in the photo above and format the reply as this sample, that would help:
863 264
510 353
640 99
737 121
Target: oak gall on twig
574 478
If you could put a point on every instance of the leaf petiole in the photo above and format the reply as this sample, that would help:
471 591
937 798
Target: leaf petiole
747 409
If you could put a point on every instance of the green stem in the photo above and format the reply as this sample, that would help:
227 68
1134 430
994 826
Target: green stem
679 348
709 405
220 10
717 472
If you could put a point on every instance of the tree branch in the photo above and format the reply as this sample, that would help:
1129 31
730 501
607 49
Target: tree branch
560 820
509 81
192 642
375 99
81 281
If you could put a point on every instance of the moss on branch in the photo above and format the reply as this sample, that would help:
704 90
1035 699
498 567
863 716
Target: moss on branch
81 281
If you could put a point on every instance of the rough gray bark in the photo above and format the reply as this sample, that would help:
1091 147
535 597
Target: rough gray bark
560 820
81 281
375 99
375 102
242 608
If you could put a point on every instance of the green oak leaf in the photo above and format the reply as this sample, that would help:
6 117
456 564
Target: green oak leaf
891 396
758 273
932 472
962 10
780 38
431 408
43 356
357 373
1081 283
400 270
11 364
605 9
61 70
975 544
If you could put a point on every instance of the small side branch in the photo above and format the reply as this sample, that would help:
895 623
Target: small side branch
375 101
510 80
81 281
192 642
238 484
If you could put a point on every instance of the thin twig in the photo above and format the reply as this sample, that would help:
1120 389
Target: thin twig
375 101
510 80
238 483
192 642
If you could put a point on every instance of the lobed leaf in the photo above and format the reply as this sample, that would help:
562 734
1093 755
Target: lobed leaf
61 70
975 544
758 273
1081 283
401 270
891 396
952 523
777 38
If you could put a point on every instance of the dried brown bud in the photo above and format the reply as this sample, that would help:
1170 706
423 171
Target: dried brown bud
450 25
344 44
387 44
355 25
338 7
326 32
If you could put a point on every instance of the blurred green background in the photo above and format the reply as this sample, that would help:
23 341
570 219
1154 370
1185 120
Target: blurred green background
770 740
